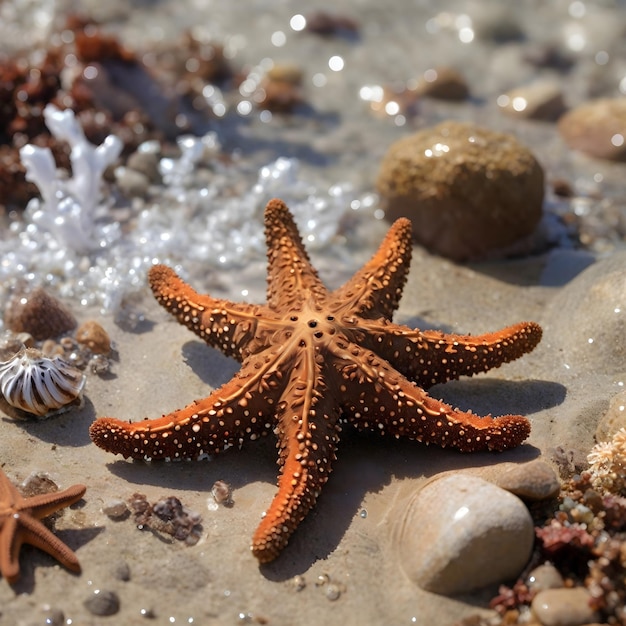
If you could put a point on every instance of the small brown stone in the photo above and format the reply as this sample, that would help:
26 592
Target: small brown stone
532 481
39 314
597 128
539 101
280 90
443 83
94 337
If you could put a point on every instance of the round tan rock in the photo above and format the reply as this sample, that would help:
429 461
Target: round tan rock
563 607
469 191
461 533
597 128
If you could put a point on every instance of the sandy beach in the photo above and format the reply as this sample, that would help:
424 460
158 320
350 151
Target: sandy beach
341 565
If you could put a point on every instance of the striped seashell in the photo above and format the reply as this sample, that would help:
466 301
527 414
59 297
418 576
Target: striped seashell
36 384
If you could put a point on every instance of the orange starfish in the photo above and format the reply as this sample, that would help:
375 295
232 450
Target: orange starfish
313 358
19 524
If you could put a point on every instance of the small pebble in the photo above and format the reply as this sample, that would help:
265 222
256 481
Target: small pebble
333 592
563 607
544 576
39 314
11 343
147 613
93 336
116 509
539 101
132 184
53 616
532 481
121 571
597 128
222 493
102 602
280 91
460 533
298 582
99 365
147 163
443 83
469 191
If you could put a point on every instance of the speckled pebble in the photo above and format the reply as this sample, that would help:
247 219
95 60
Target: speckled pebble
92 335
469 191
613 419
532 481
585 323
597 128
538 101
461 533
563 607
103 602
544 576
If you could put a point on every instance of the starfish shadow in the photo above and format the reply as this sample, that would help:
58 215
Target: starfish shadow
501 397
367 464
256 465
32 559
209 364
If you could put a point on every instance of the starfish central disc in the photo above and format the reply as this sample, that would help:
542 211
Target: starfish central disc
311 358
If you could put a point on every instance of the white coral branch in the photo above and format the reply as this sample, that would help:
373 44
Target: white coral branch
68 210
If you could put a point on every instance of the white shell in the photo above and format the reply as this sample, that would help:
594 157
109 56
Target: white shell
36 384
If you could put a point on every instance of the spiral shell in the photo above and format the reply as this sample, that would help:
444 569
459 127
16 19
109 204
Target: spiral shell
36 384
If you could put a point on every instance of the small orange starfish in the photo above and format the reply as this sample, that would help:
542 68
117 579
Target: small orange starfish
313 358
19 524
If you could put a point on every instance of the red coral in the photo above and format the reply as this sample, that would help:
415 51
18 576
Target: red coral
557 537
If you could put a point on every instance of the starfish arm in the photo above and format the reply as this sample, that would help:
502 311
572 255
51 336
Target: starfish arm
225 325
240 410
375 290
45 504
382 400
10 544
290 275
308 433
36 534
430 357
